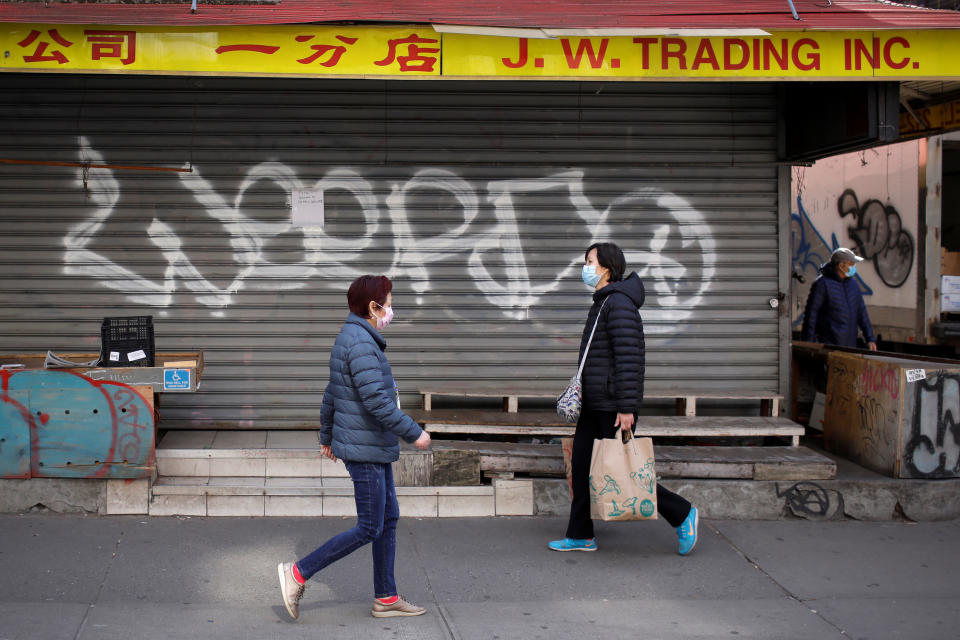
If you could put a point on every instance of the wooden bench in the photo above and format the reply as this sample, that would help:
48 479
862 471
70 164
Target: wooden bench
752 463
542 423
686 401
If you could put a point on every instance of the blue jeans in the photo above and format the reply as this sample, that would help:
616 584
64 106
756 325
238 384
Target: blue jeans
377 515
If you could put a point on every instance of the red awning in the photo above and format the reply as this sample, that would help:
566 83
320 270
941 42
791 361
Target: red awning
550 14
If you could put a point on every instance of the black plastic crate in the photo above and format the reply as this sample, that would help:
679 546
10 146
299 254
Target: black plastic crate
127 342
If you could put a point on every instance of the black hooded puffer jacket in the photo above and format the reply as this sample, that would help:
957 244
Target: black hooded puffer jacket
613 374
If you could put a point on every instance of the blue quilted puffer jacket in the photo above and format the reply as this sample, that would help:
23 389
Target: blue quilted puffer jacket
360 417
835 310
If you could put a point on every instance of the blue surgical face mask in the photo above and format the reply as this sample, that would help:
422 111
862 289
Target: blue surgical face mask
590 275
852 271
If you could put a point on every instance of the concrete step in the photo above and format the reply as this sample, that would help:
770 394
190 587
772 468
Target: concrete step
257 454
258 463
263 454
312 496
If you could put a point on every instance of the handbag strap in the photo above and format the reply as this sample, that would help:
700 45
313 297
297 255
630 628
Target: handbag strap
587 350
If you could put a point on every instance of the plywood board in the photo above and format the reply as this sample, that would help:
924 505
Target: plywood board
708 426
474 416
160 378
757 463
862 417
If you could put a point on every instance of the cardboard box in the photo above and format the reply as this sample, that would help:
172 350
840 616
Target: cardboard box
950 303
950 262
950 284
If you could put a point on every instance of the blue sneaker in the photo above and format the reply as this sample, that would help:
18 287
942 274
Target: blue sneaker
687 532
573 544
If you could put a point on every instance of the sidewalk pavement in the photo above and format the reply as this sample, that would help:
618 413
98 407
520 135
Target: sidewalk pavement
89 577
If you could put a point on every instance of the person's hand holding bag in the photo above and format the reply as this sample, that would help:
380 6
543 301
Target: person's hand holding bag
625 421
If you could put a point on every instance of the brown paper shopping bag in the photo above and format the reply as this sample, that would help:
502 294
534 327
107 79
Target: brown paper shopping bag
623 481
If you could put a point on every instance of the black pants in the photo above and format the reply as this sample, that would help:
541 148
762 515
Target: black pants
594 425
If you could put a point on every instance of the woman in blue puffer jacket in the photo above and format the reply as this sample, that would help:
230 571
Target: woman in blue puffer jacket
835 309
361 423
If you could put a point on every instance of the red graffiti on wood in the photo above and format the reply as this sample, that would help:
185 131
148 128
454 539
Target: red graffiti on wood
128 444
130 420
24 413
879 379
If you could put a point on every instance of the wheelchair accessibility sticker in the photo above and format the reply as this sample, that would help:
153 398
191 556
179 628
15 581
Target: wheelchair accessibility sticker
176 379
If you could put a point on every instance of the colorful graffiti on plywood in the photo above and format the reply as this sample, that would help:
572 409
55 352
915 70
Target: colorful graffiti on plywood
60 424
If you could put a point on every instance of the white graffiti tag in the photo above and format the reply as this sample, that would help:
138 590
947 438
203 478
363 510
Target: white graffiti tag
486 249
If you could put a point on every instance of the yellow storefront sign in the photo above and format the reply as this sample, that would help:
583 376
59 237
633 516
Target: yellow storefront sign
935 119
418 50
820 55
266 50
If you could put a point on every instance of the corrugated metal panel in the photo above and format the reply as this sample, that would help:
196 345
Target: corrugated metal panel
575 14
477 198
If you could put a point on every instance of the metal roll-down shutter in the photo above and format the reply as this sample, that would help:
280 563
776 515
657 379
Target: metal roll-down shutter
477 198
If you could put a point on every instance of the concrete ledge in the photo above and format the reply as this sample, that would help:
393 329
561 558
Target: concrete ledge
514 497
856 493
178 506
417 506
881 499
293 506
861 498
304 497
464 506
60 495
282 454
311 486
236 506
249 462
128 497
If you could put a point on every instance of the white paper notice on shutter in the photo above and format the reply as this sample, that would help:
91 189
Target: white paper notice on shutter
307 207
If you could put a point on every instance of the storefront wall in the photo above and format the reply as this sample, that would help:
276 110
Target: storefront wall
476 198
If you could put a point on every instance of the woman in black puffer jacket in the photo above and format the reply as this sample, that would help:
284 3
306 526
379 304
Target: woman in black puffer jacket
612 392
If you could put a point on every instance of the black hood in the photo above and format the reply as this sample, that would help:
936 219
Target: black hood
830 270
632 286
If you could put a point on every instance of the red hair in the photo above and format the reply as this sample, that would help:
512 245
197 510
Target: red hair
367 289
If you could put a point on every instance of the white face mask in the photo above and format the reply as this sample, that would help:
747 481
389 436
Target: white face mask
386 318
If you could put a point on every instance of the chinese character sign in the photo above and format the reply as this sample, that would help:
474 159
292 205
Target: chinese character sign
266 50
419 51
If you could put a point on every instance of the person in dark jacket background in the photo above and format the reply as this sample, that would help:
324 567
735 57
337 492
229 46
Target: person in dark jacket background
612 383
835 309
361 423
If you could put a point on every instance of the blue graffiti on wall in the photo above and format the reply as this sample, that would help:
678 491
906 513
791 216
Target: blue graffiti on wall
810 250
